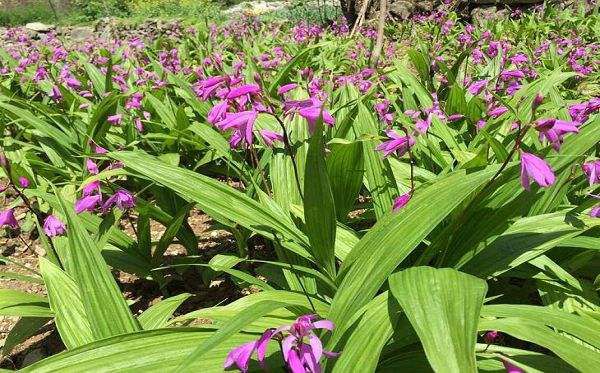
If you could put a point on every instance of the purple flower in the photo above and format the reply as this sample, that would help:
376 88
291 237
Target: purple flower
537 101
240 356
397 143
497 111
87 203
135 101
91 188
217 113
7 219
313 113
24 182
401 201
553 130
269 137
491 336
53 226
510 368
55 94
476 87
592 171
242 122
286 88
122 198
302 357
91 167
595 212
245 89
115 119
206 88
519 59
511 74
536 168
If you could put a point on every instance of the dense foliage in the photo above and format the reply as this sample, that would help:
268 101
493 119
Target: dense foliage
437 211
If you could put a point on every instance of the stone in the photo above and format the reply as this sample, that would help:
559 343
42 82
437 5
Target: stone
81 33
39 27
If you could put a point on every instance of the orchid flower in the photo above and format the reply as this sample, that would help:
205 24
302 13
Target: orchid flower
398 144
537 169
592 171
7 219
53 226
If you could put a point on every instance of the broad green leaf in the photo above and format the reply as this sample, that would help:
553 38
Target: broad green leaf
18 303
65 300
159 350
582 358
361 351
319 205
345 166
395 236
215 198
157 316
443 306
25 328
103 302
230 329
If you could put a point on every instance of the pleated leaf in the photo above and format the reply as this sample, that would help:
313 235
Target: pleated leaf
443 306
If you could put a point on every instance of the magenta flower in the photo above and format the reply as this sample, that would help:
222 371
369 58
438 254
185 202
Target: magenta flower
115 119
476 87
537 101
53 226
595 212
206 88
302 357
510 368
519 59
242 122
553 130
512 74
497 111
286 88
301 347
91 188
401 201
592 171
7 219
217 113
311 110
91 167
88 203
24 182
313 113
134 102
269 137
491 336
240 356
536 168
122 198
246 89
55 94
397 143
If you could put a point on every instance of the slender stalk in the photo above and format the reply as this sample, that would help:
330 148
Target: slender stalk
383 4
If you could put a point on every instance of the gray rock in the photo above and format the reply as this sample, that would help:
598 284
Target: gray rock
81 33
39 27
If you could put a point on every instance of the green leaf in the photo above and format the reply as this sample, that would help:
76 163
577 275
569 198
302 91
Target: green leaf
159 350
172 228
245 317
65 300
319 206
102 299
158 315
443 306
18 303
394 237
378 172
215 198
345 166
579 356
361 352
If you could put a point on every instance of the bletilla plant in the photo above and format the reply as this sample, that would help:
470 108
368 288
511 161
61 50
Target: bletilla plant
440 207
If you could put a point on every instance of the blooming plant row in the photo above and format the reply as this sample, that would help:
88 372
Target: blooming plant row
436 209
